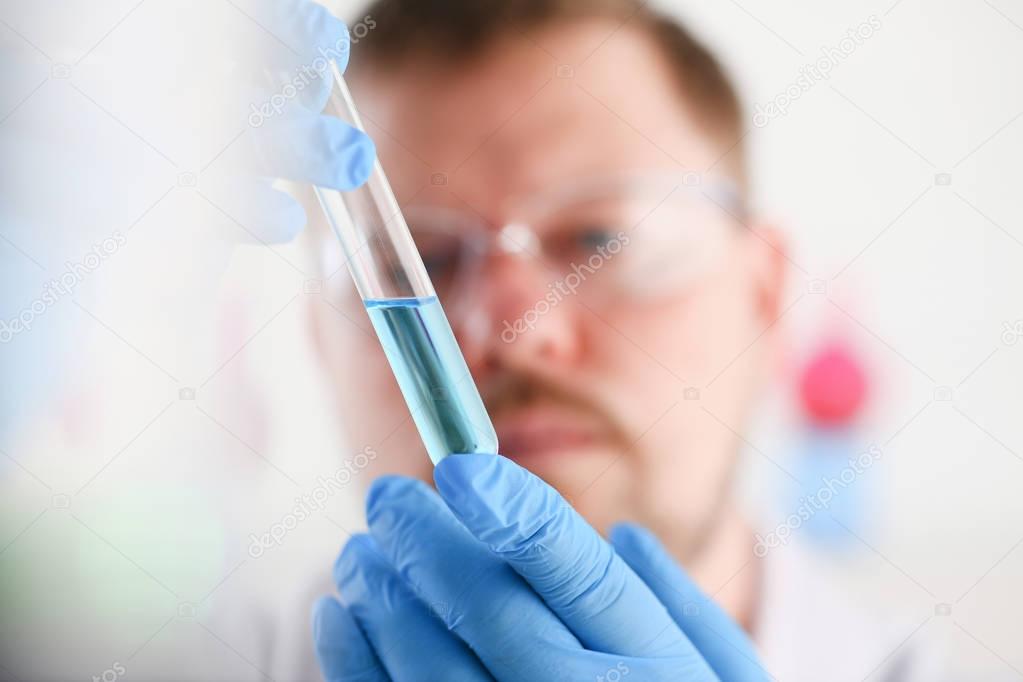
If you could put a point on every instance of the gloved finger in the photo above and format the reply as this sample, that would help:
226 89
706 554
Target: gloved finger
296 54
528 524
477 595
314 149
721 642
253 210
410 641
302 27
341 647
285 81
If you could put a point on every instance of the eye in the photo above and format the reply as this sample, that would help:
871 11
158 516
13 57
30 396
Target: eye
440 262
580 242
442 257
592 237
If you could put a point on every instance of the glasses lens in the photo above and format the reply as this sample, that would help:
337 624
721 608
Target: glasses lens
442 239
633 239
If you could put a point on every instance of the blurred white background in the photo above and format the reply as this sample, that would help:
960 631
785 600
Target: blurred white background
138 460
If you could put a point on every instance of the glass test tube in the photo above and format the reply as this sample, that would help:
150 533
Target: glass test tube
403 307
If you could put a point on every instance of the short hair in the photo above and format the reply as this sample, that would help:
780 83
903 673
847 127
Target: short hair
455 30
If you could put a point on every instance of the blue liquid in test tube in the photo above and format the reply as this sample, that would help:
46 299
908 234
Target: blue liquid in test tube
432 376
403 307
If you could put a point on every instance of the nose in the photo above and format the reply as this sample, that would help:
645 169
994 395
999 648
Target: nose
517 316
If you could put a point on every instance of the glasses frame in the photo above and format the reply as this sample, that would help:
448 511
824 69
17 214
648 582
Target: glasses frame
480 237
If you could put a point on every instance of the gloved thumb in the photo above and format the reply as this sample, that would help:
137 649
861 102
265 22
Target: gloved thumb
529 525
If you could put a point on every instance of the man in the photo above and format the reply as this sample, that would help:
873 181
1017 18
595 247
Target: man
573 173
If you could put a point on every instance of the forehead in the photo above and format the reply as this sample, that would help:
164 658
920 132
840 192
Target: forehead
531 114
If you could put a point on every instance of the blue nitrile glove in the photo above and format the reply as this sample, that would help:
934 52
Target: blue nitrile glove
508 582
278 101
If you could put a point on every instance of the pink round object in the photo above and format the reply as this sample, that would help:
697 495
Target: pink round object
833 387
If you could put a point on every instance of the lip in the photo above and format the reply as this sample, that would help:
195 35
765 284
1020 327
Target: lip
547 431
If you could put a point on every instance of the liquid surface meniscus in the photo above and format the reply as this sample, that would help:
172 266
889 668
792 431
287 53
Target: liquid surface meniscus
432 375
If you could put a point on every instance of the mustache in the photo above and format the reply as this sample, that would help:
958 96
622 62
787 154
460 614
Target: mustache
508 390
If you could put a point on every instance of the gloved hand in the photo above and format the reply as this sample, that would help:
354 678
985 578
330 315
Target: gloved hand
277 97
506 581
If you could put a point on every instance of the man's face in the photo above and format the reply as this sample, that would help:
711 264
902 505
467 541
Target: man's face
630 408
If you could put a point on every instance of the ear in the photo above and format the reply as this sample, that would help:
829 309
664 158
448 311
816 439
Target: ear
318 314
334 326
769 262
314 315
